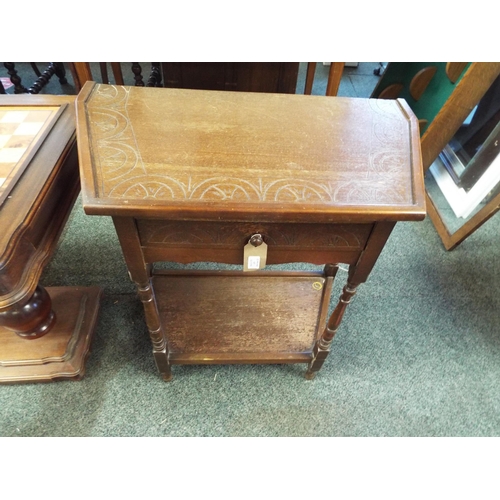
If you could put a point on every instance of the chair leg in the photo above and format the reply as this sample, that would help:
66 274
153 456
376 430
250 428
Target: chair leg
42 80
19 88
137 70
60 72
154 79
117 73
311 68
35 69
334 77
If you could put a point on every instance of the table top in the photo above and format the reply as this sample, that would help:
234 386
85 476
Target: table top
34 131
21 130
218 155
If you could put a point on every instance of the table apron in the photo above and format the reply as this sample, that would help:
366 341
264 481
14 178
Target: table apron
202 241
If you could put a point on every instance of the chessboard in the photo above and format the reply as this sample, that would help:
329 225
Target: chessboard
22 129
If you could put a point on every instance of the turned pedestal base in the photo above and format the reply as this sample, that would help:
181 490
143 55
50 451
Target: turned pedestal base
61 353
30 319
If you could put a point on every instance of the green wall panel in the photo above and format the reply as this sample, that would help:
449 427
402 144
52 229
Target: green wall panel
435 95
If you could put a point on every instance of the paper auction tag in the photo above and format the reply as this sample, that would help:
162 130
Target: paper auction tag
254 257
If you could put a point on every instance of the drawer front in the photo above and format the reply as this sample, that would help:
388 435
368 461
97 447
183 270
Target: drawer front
190 241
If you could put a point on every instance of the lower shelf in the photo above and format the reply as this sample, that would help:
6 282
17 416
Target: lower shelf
61 353
231 317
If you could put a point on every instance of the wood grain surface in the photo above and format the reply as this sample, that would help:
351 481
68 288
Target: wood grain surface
245 155
239 317
34 214
192 241
192 175
61 354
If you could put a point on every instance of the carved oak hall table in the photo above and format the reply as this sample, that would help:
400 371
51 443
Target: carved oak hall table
45 333
246 178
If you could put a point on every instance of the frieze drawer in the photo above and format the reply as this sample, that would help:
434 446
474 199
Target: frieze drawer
192 241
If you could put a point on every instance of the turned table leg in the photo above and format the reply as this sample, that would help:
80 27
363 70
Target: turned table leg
322 347
358 273
140 274
160 350
30 319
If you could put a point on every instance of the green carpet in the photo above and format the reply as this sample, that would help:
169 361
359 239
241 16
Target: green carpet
418 354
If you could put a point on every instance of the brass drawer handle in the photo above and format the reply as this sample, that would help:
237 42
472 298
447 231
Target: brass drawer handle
256 240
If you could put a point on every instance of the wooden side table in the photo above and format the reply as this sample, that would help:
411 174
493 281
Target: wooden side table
192 176
45 334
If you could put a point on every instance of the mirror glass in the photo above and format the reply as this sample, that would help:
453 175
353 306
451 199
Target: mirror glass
466 175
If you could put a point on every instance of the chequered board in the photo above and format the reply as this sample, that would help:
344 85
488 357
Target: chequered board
20 127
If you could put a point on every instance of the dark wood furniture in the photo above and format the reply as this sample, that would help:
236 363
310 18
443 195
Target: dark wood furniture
280 77
45 334
193 175
53 68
